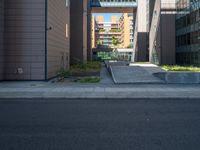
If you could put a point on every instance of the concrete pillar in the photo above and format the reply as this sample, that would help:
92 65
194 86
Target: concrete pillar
141 29
79 30
85 30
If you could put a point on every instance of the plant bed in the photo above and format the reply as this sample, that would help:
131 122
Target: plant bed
176 68
91 79
85 73
88 69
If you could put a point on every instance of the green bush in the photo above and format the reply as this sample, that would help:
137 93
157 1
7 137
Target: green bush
181 68
115 30
89 66
62 74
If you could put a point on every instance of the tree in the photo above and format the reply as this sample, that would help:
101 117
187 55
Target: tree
115 41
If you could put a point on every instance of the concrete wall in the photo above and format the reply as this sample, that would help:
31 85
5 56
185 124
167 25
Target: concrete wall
24 40
162 36
141 29
58 36
77 46
142 16
1 39
154 34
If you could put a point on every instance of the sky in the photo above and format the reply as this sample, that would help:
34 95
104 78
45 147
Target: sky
107 15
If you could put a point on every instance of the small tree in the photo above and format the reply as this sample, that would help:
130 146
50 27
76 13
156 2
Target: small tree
115 42
99 43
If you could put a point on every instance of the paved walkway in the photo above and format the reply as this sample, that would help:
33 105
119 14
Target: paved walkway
105 89
135 73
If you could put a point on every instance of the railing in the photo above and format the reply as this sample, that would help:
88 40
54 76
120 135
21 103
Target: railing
113 3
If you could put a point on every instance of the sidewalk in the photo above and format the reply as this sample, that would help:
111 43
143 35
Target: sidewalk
95 91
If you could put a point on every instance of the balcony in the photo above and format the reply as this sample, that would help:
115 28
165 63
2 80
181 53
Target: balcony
113 3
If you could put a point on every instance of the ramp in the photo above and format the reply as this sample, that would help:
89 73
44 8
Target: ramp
132 74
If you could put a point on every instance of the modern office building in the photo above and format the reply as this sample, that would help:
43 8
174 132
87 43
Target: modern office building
188 32
34 38
162 32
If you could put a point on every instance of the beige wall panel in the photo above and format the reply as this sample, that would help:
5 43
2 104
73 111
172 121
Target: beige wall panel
24 40
58 36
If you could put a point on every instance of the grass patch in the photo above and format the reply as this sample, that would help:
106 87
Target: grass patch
90 66
180 68
89 80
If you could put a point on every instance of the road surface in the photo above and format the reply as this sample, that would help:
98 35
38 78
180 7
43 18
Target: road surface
99 124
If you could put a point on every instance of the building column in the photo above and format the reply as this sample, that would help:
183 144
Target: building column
85 30
78 31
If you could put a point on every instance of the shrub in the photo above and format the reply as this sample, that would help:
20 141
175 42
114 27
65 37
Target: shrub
90 66
62 74
181 68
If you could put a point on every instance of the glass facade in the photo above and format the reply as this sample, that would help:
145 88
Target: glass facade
188 32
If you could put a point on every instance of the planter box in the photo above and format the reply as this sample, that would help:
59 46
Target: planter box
85 74
179 77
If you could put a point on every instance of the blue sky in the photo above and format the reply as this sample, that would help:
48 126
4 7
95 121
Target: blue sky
107 15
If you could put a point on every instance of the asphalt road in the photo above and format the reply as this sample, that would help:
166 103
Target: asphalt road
100 125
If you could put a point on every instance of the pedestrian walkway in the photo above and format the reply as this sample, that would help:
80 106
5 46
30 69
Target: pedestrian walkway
94 91
135 73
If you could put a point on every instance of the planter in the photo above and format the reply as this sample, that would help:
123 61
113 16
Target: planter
179 77
85 74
